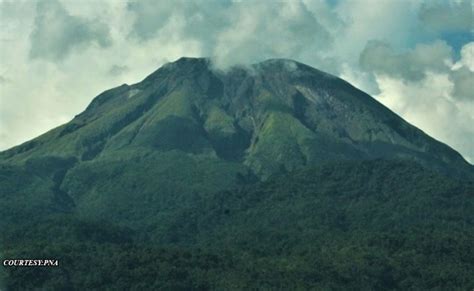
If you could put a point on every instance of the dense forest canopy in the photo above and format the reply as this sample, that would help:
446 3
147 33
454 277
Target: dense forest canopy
362 225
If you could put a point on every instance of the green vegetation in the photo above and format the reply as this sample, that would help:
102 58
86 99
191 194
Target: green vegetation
362 225
267 178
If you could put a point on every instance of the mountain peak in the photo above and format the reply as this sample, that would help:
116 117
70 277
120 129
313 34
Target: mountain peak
275 115
195 66
286 64
190 61
275 63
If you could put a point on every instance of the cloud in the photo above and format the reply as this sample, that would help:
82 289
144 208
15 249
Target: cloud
56 32
413 65
380 58
199 21
428 104
467 57
447 16
462 74
118 70
235 32
260 31
150 17
463 80
393 22
437 97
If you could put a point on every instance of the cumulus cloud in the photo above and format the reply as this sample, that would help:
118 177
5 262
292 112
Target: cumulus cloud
429 105
240 32
447 16
285 30
379 57
463 80
118 70
56 32
393 22
467 57
435 93
193 18
462 74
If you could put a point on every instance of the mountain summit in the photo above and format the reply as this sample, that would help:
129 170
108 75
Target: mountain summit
277 115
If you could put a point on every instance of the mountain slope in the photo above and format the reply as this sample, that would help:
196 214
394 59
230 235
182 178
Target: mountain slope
276 114
138 152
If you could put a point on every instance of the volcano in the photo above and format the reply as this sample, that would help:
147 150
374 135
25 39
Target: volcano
258 160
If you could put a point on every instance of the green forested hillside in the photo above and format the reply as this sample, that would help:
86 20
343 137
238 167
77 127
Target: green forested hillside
272 176
275 176
370 225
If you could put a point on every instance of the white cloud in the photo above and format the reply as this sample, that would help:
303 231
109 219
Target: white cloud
393 22
445 16
467 57
381 58
463 79
259 31
429 105
425 88
56 32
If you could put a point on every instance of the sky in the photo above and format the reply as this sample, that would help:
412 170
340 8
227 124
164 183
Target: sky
416 57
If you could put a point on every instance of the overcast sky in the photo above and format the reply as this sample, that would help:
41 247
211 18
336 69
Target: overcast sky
416 57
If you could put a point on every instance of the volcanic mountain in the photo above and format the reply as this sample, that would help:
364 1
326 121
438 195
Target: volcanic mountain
272 116
151 155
